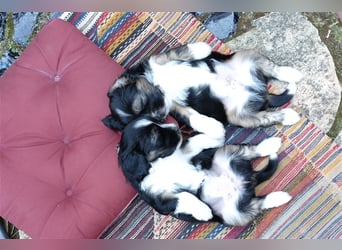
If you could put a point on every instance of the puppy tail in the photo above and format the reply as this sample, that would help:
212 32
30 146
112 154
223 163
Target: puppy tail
267 171
279 100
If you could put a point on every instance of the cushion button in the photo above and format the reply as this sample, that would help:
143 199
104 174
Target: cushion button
57 78
68 192
66 140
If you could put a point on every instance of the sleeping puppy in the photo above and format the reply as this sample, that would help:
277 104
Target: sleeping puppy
203 89
194 180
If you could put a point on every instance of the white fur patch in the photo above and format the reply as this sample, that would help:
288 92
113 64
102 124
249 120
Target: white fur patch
232 83
199 50
175 78
222 190
292 88
269 146
142 123
207 125
290 117
276 199
288 74
190 204
122 113
164 175
273 156
197 143
168 125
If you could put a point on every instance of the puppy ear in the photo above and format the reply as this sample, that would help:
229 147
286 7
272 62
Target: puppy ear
110 93
111 123
133 163
135 168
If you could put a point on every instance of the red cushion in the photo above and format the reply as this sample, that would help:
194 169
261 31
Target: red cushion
59 174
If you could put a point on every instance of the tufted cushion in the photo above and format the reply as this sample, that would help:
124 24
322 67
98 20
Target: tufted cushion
59 176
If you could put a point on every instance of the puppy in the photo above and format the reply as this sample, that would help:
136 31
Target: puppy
203 89
194 180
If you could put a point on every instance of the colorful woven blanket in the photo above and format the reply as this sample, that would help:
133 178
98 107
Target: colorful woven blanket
310 163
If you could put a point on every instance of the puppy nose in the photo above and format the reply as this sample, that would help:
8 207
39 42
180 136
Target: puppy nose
160 117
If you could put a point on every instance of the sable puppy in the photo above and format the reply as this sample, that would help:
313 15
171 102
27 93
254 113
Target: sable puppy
200 87
197 180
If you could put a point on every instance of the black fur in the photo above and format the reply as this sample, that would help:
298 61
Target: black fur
198 97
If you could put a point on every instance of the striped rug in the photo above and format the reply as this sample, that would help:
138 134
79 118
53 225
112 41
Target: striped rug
135 222
309 169
128 37
310 166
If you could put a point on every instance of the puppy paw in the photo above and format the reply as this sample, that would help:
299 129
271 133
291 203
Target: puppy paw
269 146
289 74
190 204
291 88
199 50
207 125
290 117
276 199
202 212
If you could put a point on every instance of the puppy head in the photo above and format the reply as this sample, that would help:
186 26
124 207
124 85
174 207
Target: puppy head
146 137
142 142
134 97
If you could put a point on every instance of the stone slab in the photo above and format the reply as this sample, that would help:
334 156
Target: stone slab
290 39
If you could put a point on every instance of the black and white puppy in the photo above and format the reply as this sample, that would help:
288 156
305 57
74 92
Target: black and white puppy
203 89
194 180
